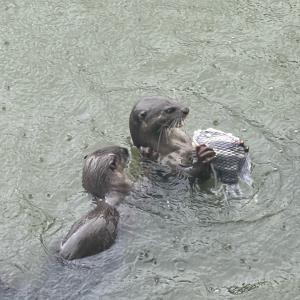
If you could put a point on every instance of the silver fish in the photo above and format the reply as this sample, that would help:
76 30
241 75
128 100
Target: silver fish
232 161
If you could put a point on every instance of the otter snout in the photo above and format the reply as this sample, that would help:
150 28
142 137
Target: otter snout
185 111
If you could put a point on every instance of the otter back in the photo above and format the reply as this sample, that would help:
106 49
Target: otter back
94 232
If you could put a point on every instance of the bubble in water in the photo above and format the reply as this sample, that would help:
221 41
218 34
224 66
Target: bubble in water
180 265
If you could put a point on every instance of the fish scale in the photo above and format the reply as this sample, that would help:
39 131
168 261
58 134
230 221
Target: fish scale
232 161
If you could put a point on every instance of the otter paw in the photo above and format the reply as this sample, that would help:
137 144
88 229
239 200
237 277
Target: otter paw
148 152
242 143
205 154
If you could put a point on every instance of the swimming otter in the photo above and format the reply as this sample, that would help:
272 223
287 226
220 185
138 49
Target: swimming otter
103 176
155 127
94 232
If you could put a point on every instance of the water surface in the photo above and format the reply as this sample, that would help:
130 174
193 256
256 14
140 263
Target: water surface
70 73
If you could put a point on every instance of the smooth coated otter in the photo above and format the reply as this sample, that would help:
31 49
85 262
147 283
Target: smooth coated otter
94 232
155 127
103 176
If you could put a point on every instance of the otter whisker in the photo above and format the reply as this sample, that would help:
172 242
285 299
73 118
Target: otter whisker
172 124
167 134
159 138
169 128
183 128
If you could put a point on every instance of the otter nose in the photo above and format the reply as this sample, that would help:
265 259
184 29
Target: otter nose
185 111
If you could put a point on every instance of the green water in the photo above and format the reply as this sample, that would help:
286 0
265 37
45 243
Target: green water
70 73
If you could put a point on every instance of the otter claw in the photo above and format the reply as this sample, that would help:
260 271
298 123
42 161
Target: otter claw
148 152
145 150
242 143
204 154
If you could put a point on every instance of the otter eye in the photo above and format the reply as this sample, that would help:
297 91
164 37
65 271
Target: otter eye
125 151
170 110
142 115
113 163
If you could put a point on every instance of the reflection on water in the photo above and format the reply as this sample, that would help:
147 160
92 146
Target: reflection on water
71 73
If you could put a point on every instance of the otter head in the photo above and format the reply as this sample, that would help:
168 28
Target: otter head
151 116
103 172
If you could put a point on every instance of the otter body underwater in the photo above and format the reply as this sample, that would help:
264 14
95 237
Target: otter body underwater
155 127
104 178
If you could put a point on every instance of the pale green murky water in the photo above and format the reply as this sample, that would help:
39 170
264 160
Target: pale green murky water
70 73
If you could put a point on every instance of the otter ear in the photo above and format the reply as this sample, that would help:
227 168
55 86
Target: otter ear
113 162
142 115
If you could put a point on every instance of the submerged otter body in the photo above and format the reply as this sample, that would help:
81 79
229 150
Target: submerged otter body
93 233
104 177
155 126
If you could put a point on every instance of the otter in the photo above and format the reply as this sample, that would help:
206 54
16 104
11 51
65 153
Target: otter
93 233
155 125
103 176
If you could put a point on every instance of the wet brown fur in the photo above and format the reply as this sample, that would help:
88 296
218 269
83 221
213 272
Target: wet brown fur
103 172
103 176
155 125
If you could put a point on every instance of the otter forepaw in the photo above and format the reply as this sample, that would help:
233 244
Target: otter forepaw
148 152
242 143
205 154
